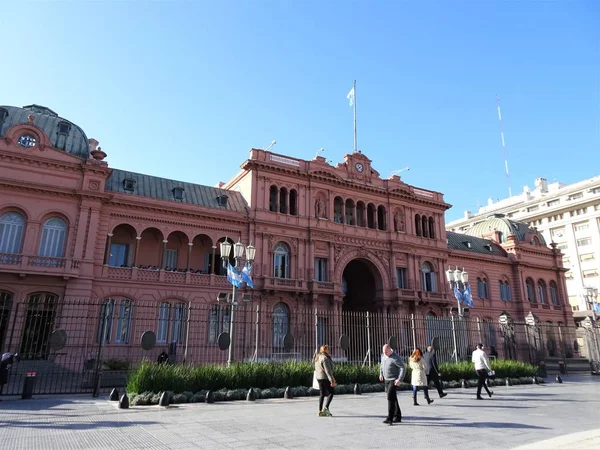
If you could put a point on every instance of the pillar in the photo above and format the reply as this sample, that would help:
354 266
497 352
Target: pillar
137 250
214 254
189 256
163 254
107 252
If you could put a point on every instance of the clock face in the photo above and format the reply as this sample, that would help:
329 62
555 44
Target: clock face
359 167
26 140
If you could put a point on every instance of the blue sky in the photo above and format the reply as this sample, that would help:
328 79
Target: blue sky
184 89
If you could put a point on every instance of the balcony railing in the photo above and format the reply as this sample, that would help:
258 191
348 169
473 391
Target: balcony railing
283 283
163 276
39 264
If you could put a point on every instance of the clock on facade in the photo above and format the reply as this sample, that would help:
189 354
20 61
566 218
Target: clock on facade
359 167
26 140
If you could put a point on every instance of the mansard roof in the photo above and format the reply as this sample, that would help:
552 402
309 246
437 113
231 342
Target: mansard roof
522 231
464 242
132 183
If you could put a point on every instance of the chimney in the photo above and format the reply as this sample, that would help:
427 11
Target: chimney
541 184
468 214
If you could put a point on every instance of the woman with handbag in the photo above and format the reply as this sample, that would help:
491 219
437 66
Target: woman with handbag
324 377
418 377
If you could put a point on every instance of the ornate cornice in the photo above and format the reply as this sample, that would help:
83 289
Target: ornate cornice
177 222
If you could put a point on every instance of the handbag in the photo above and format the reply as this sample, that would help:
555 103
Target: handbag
315 384
491 374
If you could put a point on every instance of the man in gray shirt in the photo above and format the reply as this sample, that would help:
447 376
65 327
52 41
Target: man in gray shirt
392 372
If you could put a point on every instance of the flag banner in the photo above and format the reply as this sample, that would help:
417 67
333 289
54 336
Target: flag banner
246 275
458 294
596 307
468 298
232 276
350 97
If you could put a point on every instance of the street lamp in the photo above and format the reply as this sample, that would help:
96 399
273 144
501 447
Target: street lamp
591 296
236 280
458 279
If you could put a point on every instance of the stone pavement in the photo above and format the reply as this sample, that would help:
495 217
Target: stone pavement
516 416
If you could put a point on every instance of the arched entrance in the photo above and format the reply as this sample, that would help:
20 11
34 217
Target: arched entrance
362 286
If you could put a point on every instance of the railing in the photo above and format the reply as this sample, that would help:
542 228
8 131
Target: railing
163 276
39 264
260 335
285 283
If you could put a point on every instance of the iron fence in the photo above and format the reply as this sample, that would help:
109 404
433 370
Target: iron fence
79 345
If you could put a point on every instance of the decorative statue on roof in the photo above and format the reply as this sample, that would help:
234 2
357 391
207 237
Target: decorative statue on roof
320 208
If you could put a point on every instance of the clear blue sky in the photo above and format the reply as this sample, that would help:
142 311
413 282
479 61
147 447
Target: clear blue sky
183 89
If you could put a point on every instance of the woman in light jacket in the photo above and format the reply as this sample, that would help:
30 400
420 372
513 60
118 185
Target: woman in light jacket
324 376
418 378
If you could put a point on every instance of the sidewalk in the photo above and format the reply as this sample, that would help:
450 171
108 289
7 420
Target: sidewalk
584 440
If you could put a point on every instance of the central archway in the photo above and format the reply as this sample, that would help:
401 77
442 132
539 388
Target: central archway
362 286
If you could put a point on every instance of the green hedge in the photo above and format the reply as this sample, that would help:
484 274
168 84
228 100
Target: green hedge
152 377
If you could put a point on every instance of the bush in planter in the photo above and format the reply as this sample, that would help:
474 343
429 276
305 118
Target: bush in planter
115 364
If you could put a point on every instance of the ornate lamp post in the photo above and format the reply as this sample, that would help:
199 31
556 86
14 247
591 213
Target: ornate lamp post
238 253
458 279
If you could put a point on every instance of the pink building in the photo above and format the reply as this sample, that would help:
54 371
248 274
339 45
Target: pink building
334 238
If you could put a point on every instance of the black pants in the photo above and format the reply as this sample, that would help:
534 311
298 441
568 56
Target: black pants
392 398
325 390
481 377
433 376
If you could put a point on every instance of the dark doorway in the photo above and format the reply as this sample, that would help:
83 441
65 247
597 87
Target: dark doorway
5 306
360 286
39 321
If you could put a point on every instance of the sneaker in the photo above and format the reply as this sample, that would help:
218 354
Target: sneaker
326 412
321 413
443 394
388 421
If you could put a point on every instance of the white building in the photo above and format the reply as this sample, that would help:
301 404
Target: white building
568 215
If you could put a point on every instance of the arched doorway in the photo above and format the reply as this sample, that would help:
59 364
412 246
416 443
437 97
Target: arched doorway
362 286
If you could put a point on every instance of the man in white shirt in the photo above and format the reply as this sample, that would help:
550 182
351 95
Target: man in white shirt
482 367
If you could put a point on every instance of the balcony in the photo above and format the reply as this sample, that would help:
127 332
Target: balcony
163 276
285 284
325 287
39 265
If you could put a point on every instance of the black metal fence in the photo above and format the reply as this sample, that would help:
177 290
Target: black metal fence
76 345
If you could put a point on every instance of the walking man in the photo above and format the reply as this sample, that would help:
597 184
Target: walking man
482 366
392 372
432 371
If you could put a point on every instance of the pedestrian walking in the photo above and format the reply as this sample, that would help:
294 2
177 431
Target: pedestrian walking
7 360
432 371
418 378
482 367
325 378
391 372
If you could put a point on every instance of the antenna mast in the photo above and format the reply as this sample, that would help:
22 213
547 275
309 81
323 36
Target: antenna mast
504 147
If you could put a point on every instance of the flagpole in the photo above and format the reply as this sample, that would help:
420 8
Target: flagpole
355 147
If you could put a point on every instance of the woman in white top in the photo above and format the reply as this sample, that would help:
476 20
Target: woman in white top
482 367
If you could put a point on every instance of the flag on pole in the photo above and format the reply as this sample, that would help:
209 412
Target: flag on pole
246 275
596 307
458 295
350 96
232 276
467 297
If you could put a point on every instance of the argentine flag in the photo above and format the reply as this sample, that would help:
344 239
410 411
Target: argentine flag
246 278
232 276
468 298
458 295
350 97
596 307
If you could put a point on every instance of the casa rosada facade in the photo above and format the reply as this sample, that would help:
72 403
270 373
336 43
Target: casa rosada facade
337 238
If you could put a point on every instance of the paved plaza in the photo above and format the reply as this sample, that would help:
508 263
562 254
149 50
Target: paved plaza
540 417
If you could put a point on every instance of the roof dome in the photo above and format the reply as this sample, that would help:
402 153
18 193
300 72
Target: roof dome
63 134
498 222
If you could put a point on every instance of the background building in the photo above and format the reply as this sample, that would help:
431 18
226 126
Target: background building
568 215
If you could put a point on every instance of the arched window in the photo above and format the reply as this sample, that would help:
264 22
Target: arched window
273 193
371 212
431 228
541 291
349 210
360 214
553 293
505 293
293 202
281 325
54 234
428 277
120 312
12 228
530 290
281 261
535 241
381 218
338 207
424 226
418 225
482 288
283 198
171 323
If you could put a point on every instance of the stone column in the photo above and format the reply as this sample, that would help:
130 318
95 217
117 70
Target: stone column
137 250
107 252
330 264
189 256
213 256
